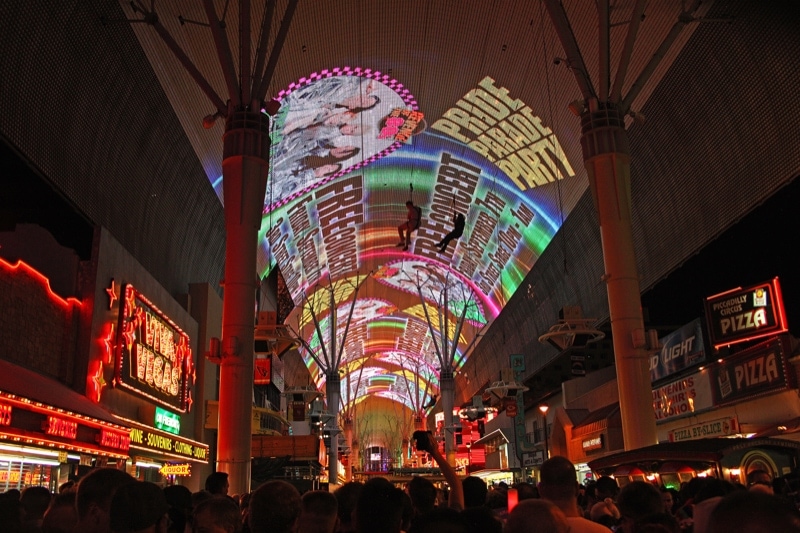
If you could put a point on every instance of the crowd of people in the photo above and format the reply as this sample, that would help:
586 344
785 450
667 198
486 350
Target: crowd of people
108 500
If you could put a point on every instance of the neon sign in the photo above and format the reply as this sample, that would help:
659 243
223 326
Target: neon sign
60 428
166 421
745 314
176 470
115 439
146 439
154 358
46 425
5 415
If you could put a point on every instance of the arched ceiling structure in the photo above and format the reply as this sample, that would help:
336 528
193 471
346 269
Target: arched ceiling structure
458 106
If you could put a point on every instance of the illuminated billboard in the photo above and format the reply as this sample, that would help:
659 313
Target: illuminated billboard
154 355
744 314
333 231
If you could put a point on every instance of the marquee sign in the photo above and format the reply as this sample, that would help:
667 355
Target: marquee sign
681 349
153 356
144 438
757 370
27 422
723 427
744 314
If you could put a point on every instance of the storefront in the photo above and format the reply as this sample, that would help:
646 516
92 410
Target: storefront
160 456
500 463
671 463
145 371
50 434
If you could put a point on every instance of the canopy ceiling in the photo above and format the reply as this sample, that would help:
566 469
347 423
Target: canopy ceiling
472 115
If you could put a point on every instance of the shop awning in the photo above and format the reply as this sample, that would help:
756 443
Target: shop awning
28 384
596 420
506 434
700 450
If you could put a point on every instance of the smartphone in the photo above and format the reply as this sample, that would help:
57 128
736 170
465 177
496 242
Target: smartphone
421 440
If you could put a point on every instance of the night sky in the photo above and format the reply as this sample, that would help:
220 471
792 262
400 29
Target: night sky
762 245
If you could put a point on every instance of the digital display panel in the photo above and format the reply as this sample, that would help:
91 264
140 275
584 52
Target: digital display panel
334 232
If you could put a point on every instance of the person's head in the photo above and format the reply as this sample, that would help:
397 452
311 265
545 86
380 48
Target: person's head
544 514
760 480
179 499
328 169
346 498
217 483
475 491
409 203
352 129
657 523
439 520
667 498
526 491
93 498
218 514
606 487
559 482
10 512
340 153
61 516
637 500
338 119
360 102
481 519
753 512
318 512
605 512
422 493
379 508
137 507
35 501
274 507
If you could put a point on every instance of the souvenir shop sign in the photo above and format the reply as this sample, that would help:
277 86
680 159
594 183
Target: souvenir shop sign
754 371
154 357
744 314
143 438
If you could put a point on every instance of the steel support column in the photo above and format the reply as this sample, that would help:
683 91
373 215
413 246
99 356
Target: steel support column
606 154
245 164
333 391
448 392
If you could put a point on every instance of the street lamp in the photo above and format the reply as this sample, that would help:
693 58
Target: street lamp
543 408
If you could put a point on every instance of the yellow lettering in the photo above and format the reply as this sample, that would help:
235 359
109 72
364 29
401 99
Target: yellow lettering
136 436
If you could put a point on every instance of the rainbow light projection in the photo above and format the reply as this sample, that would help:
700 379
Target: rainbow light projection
349 148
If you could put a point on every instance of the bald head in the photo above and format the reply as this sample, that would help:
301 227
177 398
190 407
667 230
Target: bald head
559 481
547 517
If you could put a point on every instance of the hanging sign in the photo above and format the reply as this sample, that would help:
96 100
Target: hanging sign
744 314
760 369
154 357
184 469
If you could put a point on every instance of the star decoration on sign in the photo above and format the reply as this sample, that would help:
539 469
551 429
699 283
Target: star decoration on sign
112 295
108 343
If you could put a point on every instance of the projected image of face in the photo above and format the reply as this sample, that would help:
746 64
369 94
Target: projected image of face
326 128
